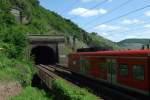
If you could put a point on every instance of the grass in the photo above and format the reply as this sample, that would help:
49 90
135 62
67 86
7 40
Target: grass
5 65
61 90
5 76
30 93
64 91
13 69
22 71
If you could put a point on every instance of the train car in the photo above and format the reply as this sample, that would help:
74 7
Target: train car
128 69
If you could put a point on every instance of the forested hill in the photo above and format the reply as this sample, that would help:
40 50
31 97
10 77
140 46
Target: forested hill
37 20
134 43
134 40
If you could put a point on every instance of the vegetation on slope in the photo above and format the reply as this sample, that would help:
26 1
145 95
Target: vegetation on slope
13 42
102 42
13 37
64 91
134 43
30 93
134 40
15 70
60 91
42 21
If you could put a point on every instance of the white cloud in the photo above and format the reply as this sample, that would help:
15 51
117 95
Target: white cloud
147 13
132 21
147 26
105 27
119 33
105 34
83 12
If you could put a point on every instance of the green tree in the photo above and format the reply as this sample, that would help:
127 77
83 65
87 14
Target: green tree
17 40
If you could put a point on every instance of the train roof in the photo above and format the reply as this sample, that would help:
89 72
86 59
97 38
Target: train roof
117 53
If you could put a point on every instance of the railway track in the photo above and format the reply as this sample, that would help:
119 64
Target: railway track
48 73
74 79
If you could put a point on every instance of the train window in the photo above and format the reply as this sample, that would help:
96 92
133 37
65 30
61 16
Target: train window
138 72
102 67
123 70
84 66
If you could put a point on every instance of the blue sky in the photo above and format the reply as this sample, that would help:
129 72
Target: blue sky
92 15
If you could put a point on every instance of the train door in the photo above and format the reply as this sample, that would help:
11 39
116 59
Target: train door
112 66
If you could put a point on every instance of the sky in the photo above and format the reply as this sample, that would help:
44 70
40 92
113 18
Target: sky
113 19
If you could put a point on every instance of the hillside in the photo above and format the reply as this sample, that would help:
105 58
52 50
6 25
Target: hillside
99 41
134 43
18 18
142 41
38 20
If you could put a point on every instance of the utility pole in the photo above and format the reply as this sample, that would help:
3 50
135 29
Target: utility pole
74 43
148 46
142 47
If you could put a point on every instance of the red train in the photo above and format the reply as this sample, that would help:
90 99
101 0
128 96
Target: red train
129 69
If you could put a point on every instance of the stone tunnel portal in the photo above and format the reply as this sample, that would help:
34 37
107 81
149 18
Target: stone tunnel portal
44 55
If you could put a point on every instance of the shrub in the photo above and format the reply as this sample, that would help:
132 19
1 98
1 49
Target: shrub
14 41
8 19
64 91
9 50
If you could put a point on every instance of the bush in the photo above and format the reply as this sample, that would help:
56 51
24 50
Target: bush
64 91
9 50
14 41
6 19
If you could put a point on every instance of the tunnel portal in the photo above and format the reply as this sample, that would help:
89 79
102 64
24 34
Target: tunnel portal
44 55
47 49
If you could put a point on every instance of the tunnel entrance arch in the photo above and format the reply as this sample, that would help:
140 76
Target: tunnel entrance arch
47 47
44 55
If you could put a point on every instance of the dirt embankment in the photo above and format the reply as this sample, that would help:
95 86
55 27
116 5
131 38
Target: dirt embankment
9 89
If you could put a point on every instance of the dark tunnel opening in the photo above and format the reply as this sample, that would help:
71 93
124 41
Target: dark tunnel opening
44 55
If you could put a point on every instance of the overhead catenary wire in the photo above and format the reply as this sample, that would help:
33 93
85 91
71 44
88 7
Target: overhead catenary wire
95 6
123 15
111 11
144 22
73 4
125 32
131 30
